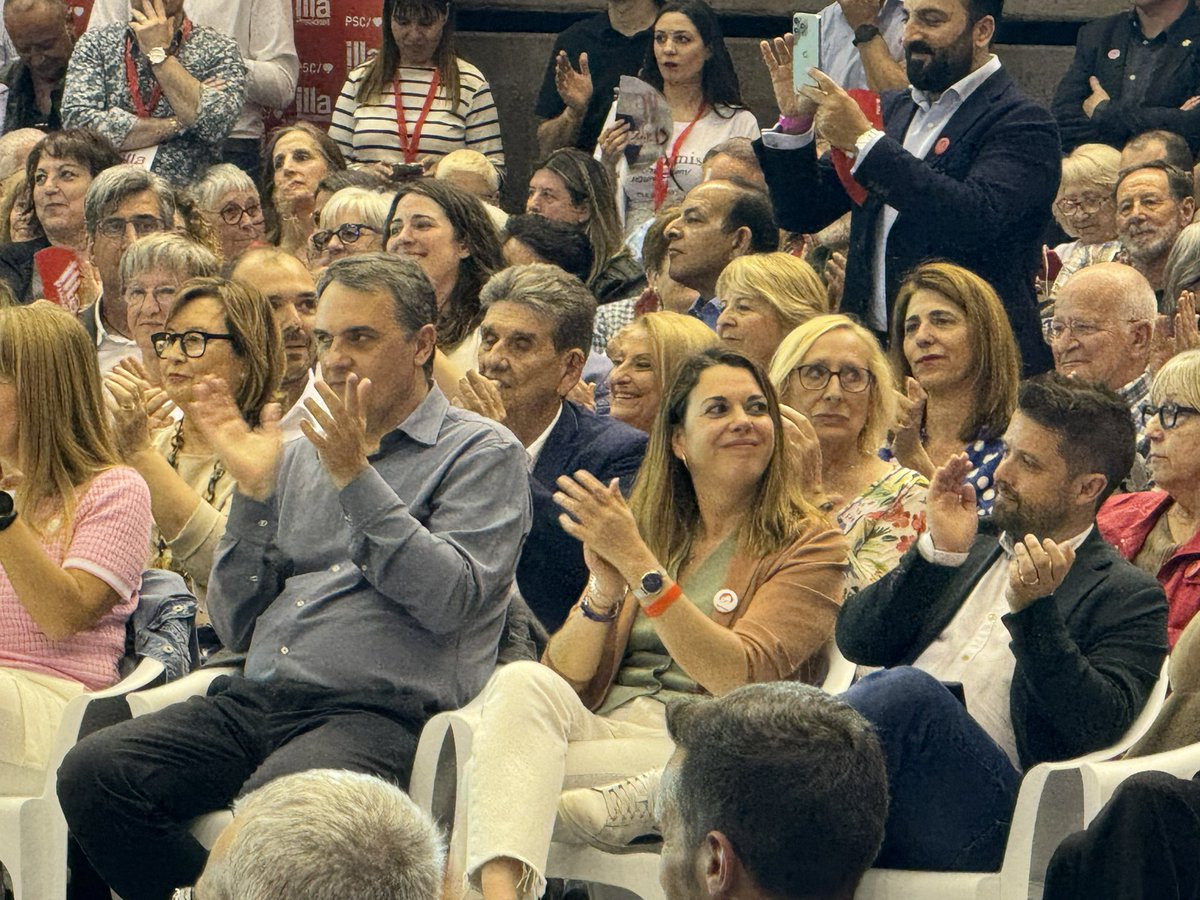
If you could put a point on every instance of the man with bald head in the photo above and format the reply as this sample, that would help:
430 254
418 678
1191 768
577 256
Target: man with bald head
41 31
1101 329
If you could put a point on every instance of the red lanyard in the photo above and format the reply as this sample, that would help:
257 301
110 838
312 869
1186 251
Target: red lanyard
131 75
412 145
666 165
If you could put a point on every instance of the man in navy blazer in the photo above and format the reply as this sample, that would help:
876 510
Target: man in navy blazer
1048 640
535 337
965 169
1133 72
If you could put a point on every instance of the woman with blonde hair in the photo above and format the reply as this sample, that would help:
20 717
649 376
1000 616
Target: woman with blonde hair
216 328
954 349
764 296
645 355
718 572
833 372
1087 211
74 532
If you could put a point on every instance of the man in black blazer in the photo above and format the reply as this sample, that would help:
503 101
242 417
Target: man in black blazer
1052 650
536 333
965 169
1133 72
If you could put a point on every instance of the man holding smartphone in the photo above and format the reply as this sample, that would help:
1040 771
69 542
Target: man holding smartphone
162 86
965 169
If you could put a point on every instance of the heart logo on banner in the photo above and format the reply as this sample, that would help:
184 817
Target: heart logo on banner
79 11
327 67
377 21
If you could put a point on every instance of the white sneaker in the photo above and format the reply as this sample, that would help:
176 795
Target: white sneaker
617 818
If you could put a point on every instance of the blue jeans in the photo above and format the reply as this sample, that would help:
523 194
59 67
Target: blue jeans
953 789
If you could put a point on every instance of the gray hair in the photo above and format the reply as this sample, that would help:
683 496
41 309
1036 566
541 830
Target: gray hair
110 187
15 147
166 250
218 181
367 207
414 303
1183 266
328 835
550 293
1134 295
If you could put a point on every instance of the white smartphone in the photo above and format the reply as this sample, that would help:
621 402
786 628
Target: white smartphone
806 50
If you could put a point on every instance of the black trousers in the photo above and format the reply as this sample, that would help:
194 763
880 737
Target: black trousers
129 791
1144 845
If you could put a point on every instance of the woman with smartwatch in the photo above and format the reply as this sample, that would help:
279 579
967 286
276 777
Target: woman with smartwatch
718 572
74 535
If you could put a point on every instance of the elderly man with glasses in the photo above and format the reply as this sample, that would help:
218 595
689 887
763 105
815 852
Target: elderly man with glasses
122 204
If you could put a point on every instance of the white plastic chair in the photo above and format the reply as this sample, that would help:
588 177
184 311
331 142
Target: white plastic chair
1050 805
841 671
1101 778
33 832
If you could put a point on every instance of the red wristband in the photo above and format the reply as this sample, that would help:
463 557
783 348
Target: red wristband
663 603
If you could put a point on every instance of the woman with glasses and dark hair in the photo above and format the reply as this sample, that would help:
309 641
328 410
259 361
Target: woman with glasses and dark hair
74 527
839 398
354 220
1159 530
229 202
58 172
451 237
689 64
416 101
295 159
216 329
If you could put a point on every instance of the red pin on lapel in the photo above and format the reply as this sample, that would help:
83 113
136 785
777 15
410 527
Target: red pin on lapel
941 146
1114 53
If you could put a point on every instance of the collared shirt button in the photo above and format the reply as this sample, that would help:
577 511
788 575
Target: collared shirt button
991 617
336 567
262 523
1133 78
966 656
283 650
254 578
299 602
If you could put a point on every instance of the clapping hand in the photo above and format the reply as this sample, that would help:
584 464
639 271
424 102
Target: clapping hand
1036 570
1174 334
575 88
950 506
906 435
480 395
341 441
804 448
598 516
777 57
250 455
126 401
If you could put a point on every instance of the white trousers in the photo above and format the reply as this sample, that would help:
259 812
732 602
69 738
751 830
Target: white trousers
31 708
520 762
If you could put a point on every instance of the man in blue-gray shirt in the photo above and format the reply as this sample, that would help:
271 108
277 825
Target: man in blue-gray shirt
365 571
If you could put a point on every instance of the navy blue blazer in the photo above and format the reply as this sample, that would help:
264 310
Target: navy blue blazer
981 203
551 573
1176 78
1087 655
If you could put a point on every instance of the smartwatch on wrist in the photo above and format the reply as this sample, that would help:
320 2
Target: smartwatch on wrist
865 33
650 585
8 510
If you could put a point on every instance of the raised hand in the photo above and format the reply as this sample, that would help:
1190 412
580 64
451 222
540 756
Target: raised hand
860 12
125 398
250 455
150 25
341 442
777 57
599 517
575 88
835 279
480 395
838 118
906 435
804 448
950 506
1036 570
583 393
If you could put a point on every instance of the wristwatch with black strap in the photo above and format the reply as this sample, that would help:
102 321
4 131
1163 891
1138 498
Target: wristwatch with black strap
865 33
8 510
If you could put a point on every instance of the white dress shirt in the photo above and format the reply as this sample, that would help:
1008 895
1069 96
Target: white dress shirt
975 648
534 450
111 348
264 35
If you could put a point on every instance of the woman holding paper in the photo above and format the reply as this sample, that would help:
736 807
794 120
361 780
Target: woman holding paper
691 67
58 172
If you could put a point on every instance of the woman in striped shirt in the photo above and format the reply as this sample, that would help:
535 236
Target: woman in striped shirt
416 101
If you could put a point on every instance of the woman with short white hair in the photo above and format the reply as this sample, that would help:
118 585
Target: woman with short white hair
229 202
354 220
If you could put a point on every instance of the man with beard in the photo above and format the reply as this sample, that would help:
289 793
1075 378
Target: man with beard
1154 204
1032 642
965 169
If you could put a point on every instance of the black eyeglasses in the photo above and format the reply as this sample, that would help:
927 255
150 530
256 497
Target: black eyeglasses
114 227
193 343
852 379
232 213
347 234
1168 414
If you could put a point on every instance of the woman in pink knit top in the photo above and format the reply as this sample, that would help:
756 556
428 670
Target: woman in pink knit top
74 535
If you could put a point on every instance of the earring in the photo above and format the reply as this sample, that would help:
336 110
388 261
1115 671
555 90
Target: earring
683 459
